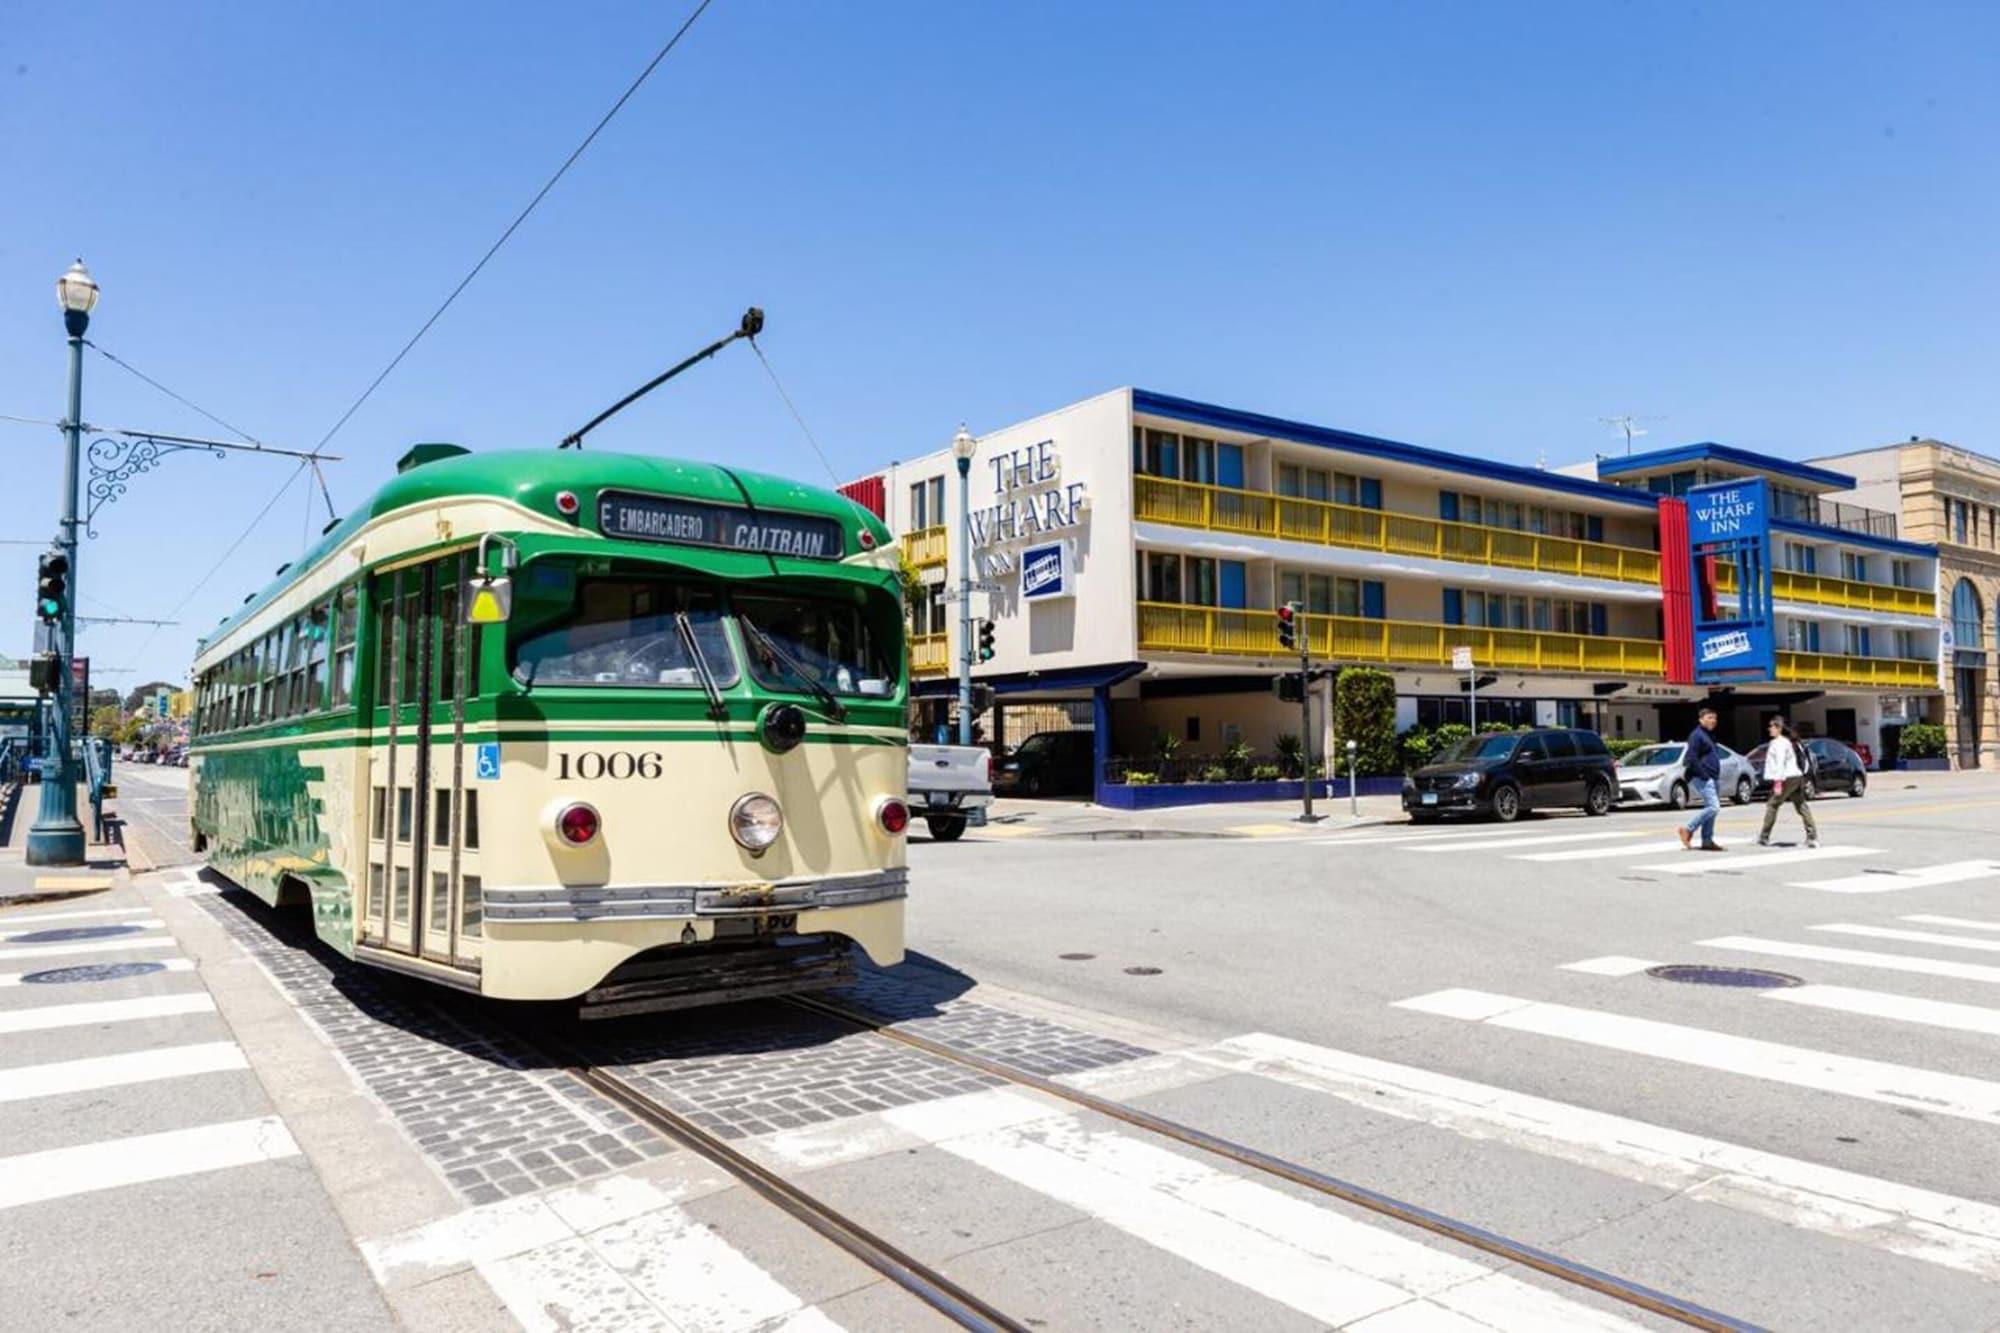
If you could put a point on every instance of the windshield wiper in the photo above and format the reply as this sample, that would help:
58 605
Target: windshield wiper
831 706
524 675
716 707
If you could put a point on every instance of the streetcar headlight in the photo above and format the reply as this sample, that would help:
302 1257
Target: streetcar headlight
755 821
578 823
892 815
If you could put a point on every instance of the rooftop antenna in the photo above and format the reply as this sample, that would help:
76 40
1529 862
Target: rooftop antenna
752 324
1628 426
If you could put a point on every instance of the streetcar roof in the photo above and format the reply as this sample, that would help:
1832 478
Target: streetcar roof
531 478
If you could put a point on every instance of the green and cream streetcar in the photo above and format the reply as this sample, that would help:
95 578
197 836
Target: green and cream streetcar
554 724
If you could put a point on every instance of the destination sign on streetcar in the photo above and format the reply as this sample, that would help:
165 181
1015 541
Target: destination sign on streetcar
658 518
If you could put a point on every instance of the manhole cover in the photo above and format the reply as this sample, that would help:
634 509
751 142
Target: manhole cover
1076 957
1142 971
91 972
74 933
1695 974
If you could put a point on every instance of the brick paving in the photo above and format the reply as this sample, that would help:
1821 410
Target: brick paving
1033 1045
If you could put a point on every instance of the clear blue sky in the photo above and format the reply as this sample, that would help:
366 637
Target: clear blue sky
1474 226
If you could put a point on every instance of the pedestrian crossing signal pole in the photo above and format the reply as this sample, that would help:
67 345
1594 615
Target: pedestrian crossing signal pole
1291 634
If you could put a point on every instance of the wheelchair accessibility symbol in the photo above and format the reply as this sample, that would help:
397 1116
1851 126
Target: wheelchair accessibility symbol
486 762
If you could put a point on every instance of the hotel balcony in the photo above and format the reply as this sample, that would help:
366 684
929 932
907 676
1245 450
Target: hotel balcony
1823 590
1257 514
930 654
1881 672
925 547
1169 628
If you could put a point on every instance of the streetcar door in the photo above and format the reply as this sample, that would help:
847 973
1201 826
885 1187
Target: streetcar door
451 880
400 774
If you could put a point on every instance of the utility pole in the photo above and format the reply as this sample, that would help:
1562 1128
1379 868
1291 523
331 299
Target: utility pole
963 446
1292 633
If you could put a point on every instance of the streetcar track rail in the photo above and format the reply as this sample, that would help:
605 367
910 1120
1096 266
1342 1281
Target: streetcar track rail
1542 1261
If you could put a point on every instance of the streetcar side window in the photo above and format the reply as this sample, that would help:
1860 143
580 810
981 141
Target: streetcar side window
383 640
345 621
315 628
626 631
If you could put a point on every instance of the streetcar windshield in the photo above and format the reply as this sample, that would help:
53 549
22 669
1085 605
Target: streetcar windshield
796 643
625 631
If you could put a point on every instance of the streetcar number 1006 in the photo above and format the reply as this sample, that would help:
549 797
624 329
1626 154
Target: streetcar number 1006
595 765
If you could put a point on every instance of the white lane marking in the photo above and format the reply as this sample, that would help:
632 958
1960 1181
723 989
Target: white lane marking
88 1167
1487 844
1959 922
1920 877
1612 966
1593 853
1917 1223
1704 863
113 1071
1416 837
1869 1080
10 952
1882 1004
82 1014
165 964
1910 936
1823 953
9 921
692 1275
1329 1267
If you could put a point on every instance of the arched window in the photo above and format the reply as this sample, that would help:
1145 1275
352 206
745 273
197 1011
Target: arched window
1968 619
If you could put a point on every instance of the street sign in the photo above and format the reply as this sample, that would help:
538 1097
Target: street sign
1461 658
1729 524
79 698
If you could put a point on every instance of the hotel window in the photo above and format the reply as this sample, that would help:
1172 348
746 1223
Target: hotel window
1854 640
1802 636
927 504
1198 460
1903 573
927 612
1853 567
1156 452
1201 581
1906 645
1799 558
1672 483
1163 577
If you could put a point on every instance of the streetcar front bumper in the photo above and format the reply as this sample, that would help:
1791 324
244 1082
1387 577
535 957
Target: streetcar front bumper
653 902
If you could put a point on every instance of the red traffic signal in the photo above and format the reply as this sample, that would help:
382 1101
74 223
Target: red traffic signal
1288 625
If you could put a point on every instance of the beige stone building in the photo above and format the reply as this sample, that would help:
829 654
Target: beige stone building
1951 497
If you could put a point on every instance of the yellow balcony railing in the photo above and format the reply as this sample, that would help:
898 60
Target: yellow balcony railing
925 546
1170 628
1220 509
1833 669
929 655
1822 590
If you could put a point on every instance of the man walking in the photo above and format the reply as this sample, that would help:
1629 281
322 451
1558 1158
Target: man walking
1785 770
1703 765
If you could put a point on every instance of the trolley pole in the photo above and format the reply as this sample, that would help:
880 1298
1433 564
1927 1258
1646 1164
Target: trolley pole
962 447
56 839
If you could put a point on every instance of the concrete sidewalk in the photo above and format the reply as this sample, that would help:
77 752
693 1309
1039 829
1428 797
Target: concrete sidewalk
1012 817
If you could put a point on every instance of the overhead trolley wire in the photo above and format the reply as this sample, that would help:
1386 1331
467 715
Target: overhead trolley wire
129 368
793 409
513 226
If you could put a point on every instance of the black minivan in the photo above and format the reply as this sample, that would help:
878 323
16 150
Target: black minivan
1503 773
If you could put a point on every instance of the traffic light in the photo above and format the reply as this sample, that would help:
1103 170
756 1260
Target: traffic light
986 641
1290 688
52 586
1288 625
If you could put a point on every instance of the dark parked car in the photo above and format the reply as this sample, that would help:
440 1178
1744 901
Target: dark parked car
1048 763
1831 767
1504 773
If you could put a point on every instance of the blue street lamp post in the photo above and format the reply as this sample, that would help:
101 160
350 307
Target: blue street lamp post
57 836
962 448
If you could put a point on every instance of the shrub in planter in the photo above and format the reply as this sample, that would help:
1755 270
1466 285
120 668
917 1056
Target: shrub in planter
1215 773
1236 757
1290 753
1139 777
1424 745
1923 740
1266 773
1624 745
1364 711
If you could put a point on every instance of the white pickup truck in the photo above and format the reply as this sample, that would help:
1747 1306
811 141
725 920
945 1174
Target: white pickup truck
947 783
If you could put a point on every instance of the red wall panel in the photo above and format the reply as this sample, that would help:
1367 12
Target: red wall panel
871 494
1678 611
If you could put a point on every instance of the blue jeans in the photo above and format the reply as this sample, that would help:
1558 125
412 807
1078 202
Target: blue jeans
1702 821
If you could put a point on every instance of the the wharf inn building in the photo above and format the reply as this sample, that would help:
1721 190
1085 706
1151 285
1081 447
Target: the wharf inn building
1134 548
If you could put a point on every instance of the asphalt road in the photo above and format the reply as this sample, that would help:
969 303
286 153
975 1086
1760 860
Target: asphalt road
1448 952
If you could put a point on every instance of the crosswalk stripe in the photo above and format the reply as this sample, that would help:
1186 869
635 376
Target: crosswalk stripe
1593 853
1942 1229
1824 953
1486 844
60 950
1960 922
112 1071
1880 1004
1698 863
1921 877
1329 1267
1412 837
1614 966
89 1167
1850 1076
44 1017
165 964
8 922
1910 936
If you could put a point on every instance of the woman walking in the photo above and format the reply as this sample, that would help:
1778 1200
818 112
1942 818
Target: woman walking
1785 769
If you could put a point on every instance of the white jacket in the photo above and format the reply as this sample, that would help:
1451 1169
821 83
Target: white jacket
1781 761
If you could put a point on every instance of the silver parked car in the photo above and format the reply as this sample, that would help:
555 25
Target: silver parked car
1652 775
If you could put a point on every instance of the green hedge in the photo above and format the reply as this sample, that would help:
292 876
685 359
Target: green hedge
1364 711
1923 740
